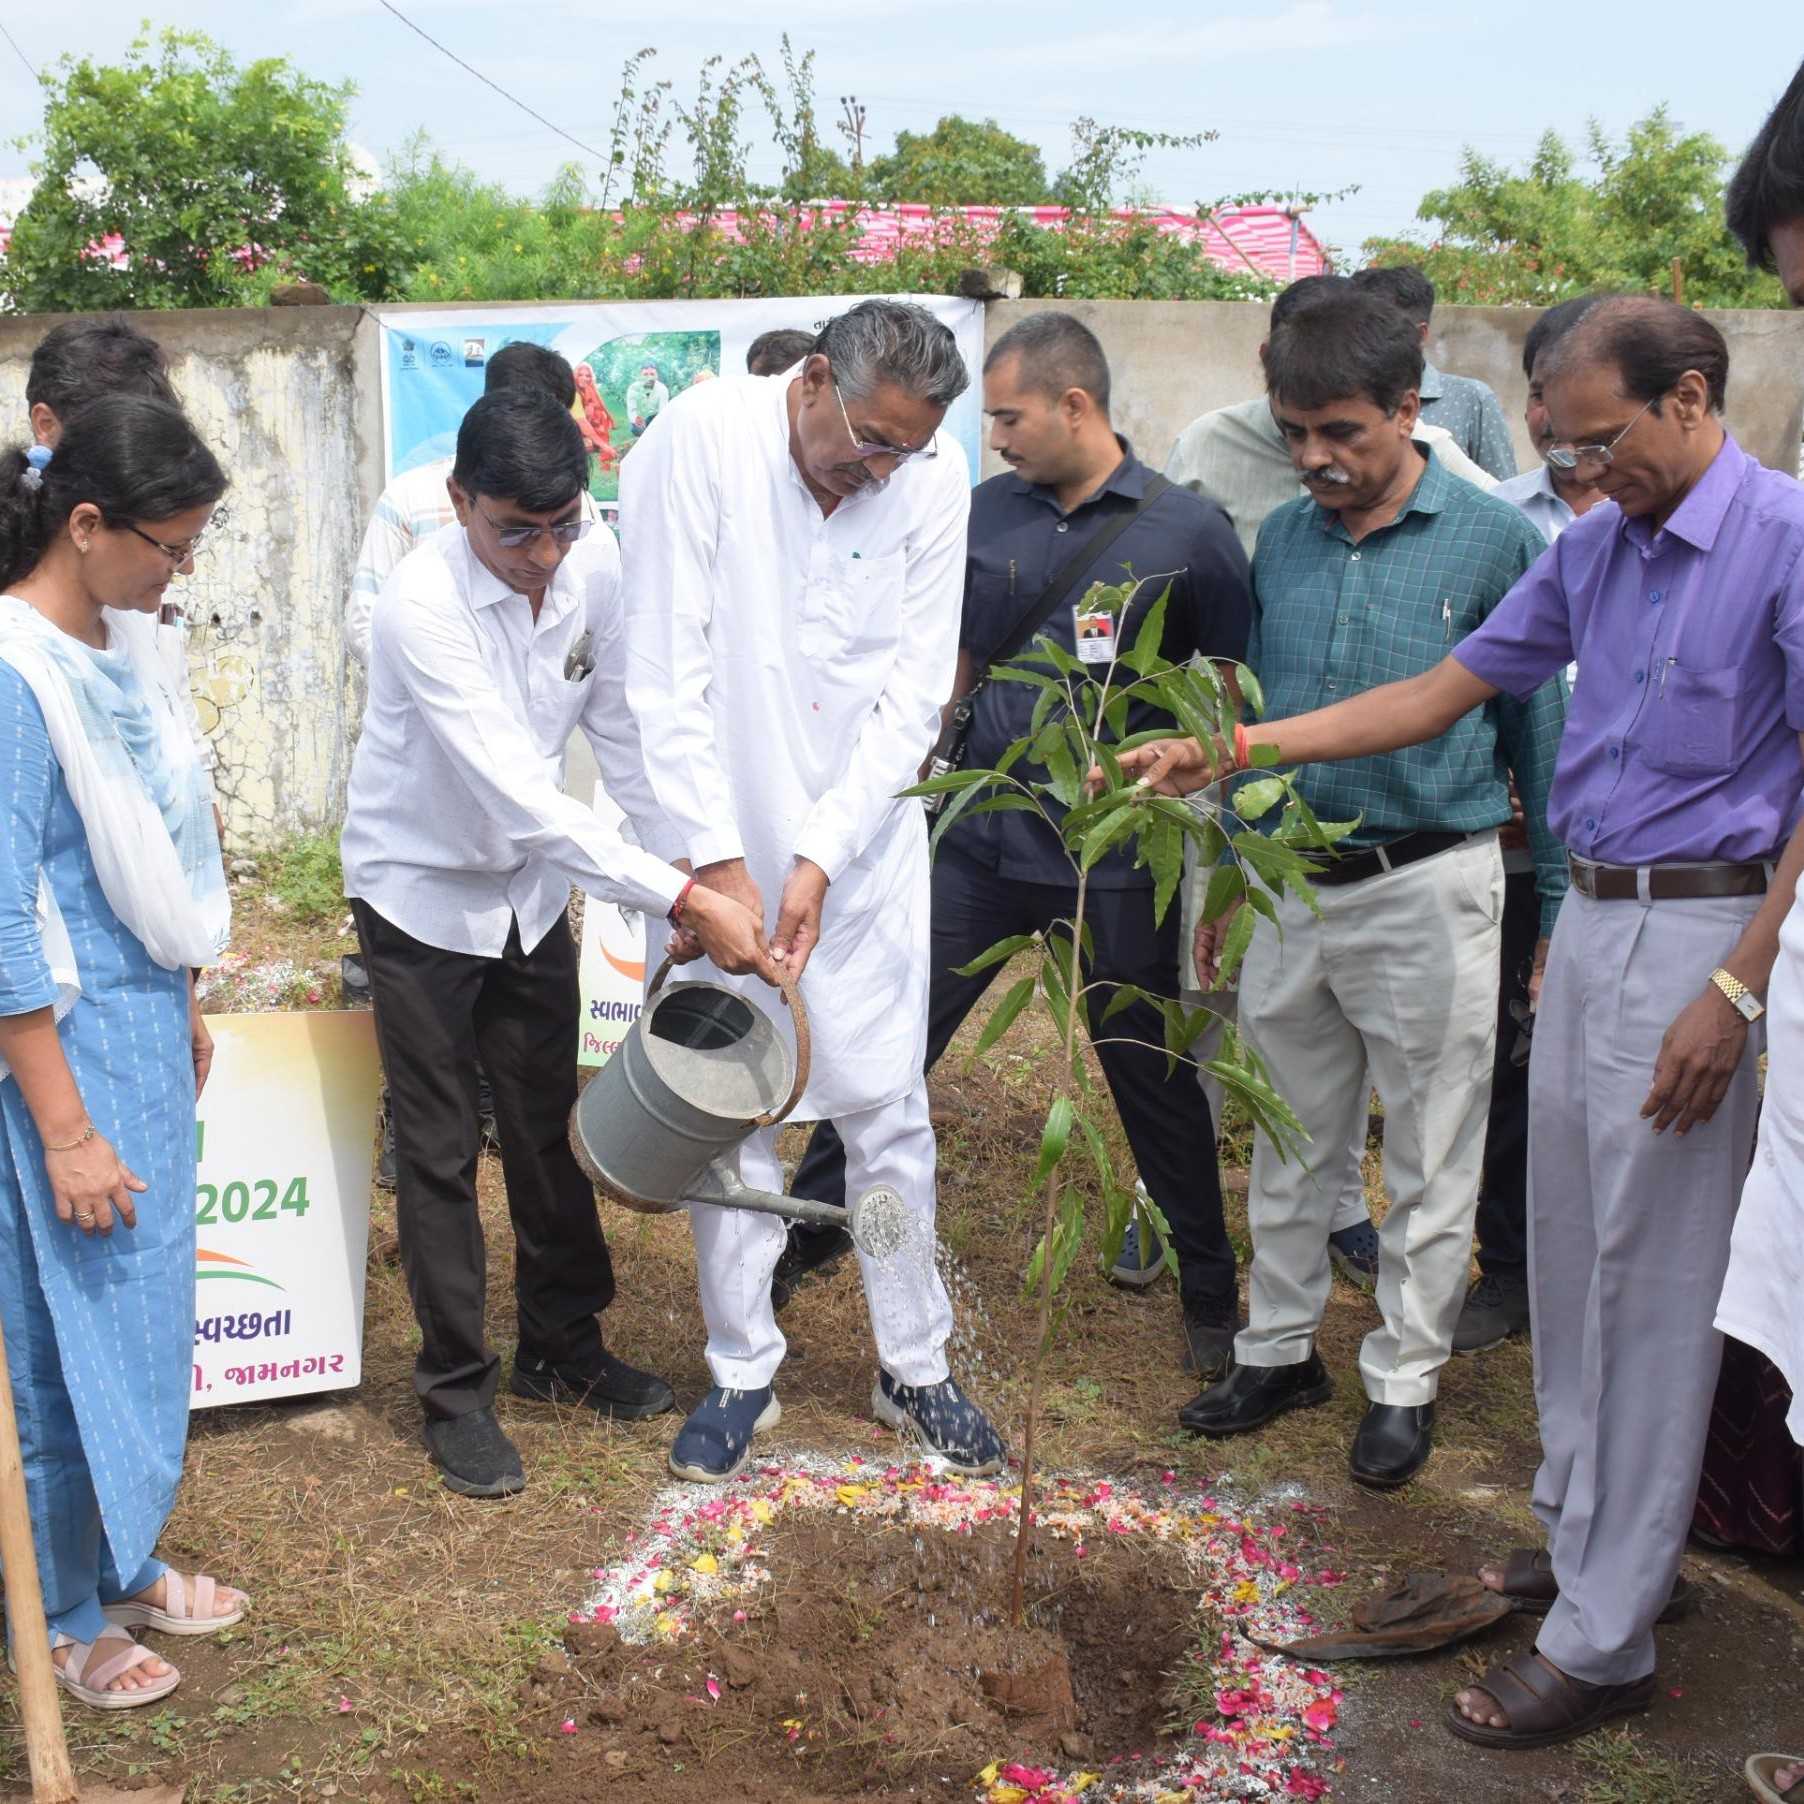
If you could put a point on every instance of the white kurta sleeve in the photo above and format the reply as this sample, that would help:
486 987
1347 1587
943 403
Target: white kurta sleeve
439 660
670 499
386 541
900 729
607 722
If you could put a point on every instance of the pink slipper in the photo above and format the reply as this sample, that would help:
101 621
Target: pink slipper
89 1671
184 1611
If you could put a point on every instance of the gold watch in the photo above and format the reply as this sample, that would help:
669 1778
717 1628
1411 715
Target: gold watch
1741 998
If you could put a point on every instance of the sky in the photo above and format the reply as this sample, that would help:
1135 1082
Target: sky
1314 95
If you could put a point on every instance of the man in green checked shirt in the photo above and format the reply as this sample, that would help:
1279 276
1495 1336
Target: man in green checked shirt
1383 565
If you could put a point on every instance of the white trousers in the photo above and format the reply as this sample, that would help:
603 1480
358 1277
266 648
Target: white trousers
736 1252
1399 978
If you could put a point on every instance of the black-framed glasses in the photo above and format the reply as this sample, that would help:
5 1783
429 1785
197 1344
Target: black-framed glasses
1569 457
864 449
563 532
180 554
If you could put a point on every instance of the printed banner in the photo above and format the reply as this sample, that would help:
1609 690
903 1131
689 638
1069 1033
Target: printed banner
630 357
282 1205
612 972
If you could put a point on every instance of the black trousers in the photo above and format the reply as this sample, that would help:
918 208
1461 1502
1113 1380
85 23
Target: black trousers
1166 1120
437 1012
1503 1195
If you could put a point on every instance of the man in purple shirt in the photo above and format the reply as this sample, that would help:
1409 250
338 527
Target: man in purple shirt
1678 795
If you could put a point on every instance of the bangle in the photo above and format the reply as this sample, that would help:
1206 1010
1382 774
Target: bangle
1240 745
69 1146
675 917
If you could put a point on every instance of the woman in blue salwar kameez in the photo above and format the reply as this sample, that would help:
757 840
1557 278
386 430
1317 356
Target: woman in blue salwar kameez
111 894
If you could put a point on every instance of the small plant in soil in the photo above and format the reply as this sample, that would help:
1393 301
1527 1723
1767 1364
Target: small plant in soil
1067 769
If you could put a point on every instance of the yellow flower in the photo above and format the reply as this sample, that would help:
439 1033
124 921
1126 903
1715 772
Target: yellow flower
851 1495
662 1582
704 1562
761 1511
988 1775
1246 1592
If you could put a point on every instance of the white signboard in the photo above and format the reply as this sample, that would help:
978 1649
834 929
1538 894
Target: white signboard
282 1205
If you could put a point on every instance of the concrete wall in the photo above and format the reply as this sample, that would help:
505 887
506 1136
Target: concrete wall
290 398
1173 360
286 402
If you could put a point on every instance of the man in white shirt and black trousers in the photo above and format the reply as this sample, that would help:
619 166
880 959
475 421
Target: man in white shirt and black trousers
493 641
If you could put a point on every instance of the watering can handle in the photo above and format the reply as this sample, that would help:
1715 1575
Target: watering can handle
792 995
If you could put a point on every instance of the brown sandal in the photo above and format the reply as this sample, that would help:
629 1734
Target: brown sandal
1544 1706
1529 1584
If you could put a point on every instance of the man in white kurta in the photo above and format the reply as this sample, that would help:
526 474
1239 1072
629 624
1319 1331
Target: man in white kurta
795 553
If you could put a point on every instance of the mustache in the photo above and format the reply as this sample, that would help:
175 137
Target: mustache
1328 479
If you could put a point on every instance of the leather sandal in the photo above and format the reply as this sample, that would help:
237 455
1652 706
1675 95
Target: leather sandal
185 1610
1763 1778
1545 1707
93 1665
1529 1584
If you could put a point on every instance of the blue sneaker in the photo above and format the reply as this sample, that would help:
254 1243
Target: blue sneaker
716 1441
1354 1254
943 1420
1141 1262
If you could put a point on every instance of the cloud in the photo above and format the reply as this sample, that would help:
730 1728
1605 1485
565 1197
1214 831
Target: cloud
1302 26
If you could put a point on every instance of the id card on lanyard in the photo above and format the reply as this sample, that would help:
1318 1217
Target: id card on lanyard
1095 636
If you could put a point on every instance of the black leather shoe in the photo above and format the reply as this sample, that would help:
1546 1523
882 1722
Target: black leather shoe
612 1388
1253 1395
1209 1330
1393 1444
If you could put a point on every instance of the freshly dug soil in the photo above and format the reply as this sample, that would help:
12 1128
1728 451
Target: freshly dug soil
883 1664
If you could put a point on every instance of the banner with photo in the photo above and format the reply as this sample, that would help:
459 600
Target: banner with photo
630 358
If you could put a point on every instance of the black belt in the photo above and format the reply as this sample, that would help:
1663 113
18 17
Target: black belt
1664 882
1355 867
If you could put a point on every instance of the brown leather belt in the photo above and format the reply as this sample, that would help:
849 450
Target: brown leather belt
1355 867
1665 882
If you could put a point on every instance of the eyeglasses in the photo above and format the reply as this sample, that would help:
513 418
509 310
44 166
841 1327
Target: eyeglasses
189 548
868 448
564 532
1569 457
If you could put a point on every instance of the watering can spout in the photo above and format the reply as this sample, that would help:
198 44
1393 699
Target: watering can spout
878 1221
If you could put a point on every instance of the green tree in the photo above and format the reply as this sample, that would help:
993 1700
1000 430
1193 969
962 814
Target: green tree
962 163
1558 228
214 179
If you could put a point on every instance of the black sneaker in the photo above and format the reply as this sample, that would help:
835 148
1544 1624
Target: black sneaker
1209 1330
474 1457
716 1441
1141 1262
809 1252
1495 1309
612 1388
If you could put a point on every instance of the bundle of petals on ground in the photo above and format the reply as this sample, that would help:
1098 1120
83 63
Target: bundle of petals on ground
705 1556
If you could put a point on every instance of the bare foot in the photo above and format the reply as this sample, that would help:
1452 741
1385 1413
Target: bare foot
135 1678
1786 1778
1477 1705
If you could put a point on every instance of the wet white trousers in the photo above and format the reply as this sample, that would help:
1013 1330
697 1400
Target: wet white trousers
736 1252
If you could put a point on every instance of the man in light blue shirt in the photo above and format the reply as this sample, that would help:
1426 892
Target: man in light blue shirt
1463 405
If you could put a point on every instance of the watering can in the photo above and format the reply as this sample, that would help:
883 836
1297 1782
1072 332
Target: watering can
657 1127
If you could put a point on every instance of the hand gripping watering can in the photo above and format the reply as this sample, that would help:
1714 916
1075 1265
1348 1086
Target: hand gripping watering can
656 1128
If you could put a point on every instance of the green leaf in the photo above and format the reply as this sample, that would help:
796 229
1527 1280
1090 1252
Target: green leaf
1240 936
1253 799
1227 885
1148 648
1015 673
1066 779
1018 997
1125 996
1165 855
950 783
1012 802
998 954
1252 691
1054 1138
1108 832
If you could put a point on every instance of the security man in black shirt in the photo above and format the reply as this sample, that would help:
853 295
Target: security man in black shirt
1074 484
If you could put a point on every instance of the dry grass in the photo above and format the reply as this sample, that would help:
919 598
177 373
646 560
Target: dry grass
395 1625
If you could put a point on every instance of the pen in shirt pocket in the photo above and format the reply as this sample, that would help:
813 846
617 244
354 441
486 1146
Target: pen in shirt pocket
1446 618
581 659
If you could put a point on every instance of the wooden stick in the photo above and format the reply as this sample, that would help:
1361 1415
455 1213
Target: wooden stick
52 1777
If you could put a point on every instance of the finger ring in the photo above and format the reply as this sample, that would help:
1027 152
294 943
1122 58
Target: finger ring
84 1219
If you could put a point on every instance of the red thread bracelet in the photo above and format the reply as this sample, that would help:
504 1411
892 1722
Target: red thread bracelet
675 917
1241 753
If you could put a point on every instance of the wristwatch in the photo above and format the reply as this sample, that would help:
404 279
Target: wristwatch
1741 998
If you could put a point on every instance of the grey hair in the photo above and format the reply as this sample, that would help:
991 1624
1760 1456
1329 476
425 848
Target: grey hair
894 341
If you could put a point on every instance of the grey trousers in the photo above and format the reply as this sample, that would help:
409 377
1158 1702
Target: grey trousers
1627 1244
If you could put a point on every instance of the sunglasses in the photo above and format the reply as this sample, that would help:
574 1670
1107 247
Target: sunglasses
564 532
